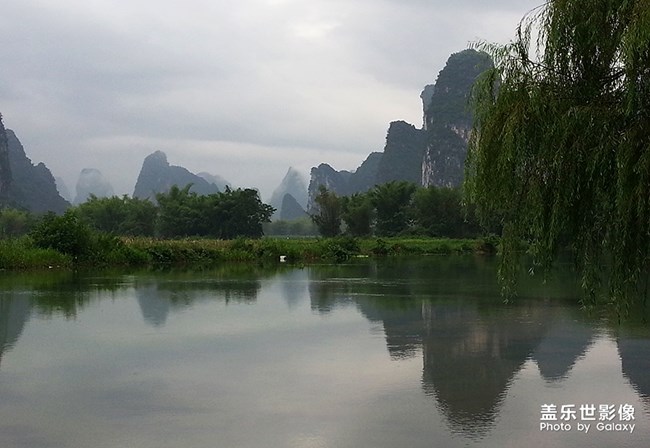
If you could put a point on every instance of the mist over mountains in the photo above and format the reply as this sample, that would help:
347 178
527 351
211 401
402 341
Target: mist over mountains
290 197
433 154
92 182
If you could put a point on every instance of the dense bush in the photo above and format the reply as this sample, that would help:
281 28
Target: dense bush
226 215
15 223
66 234
20 253
120 216
327 217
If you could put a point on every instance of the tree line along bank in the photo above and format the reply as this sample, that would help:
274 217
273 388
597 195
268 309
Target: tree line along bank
184 227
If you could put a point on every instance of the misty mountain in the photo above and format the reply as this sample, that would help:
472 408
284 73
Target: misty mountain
290 209
215 179
91 181
158 176
432 155
32 187
62 188
293 184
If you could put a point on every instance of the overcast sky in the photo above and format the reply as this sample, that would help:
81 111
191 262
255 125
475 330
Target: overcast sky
243 89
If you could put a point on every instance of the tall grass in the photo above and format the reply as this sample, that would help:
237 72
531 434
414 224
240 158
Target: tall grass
306 250
106 250
20 253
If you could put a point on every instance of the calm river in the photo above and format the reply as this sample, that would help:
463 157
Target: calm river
418 353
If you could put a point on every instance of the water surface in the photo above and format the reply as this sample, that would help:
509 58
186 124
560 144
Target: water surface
413 353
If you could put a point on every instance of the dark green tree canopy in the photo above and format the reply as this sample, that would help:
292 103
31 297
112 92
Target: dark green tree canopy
228 214
560 151
119 215
328 216
358 214
392 201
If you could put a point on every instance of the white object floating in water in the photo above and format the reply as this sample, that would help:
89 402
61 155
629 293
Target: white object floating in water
283 258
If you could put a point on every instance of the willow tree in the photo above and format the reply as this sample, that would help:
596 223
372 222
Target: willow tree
560 151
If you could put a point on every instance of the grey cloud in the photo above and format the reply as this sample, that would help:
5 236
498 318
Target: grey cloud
82 82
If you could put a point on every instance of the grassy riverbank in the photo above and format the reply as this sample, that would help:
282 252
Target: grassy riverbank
22 253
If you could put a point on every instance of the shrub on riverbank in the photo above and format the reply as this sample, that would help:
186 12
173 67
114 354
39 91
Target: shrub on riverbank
100 249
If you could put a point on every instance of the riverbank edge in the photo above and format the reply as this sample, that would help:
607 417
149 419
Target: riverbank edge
22 254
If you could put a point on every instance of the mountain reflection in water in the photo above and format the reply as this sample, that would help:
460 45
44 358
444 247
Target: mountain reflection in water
445 313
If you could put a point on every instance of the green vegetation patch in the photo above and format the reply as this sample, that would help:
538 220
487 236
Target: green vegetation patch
22 254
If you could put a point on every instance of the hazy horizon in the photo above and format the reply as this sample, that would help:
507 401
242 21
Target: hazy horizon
241 90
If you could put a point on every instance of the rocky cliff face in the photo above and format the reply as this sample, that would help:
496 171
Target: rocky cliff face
5 167
426 96
91 181
364 178
32 186
293 184
443 164
402 160
333 180
158 176
344 183
448 119
432 155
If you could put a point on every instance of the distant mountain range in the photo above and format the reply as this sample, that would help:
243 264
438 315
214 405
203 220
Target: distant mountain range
158 176
431 155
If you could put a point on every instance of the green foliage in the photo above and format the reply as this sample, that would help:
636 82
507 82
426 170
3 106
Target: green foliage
70 235
339 248
119 216
179 213
440 212
20 253
380 247
110 250
66 234
235 213
328 217
358 214
488 245
561 146
392 202
399 208
15 223
225 215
